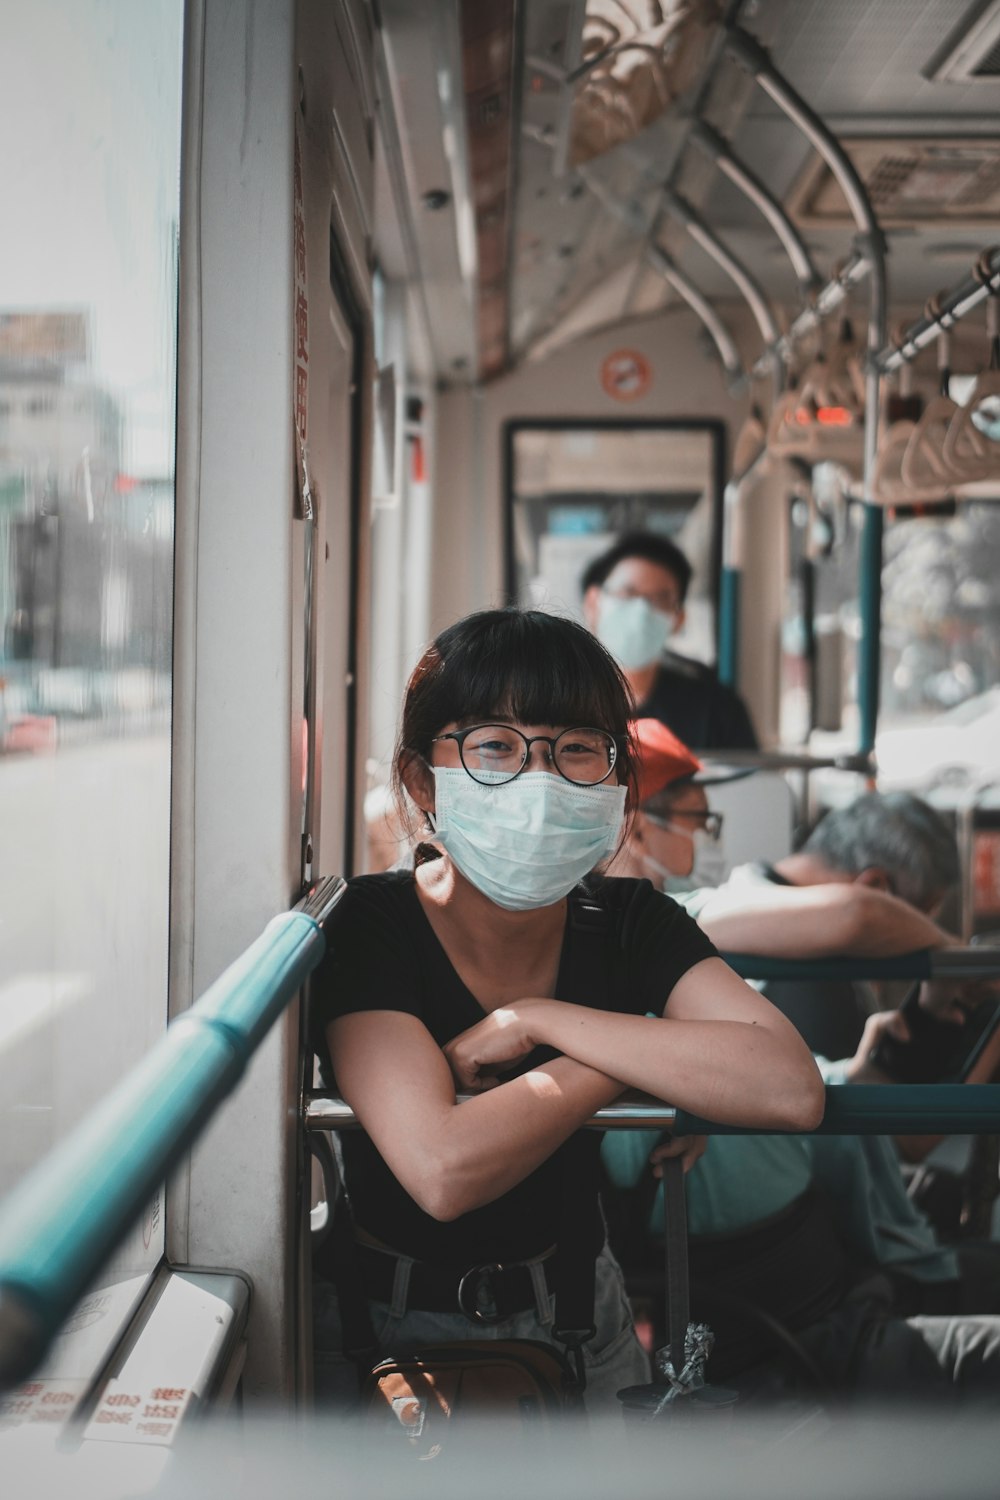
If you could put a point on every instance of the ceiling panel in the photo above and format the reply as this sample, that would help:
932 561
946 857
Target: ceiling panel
577 243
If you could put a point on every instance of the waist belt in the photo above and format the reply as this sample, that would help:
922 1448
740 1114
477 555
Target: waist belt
485 1293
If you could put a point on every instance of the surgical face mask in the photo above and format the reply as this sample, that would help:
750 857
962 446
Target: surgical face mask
525 843
709 865
632 630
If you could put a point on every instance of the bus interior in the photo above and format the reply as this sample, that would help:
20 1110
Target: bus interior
324 323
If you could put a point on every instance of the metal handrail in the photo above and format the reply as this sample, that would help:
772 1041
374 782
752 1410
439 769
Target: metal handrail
861 763
851 1109
827 300
950 309
872 245
924 963
701 307
759 194
678 208
60 1224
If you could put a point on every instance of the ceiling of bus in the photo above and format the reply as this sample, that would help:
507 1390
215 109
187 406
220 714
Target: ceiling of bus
579 231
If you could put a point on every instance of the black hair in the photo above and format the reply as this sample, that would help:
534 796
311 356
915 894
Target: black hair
895 832
644 544
520 664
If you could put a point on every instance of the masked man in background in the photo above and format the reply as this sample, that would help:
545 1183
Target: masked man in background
633 601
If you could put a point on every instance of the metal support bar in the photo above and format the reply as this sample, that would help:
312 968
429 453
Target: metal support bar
851 1109
792 760
60 1224
717 330
631 216
871 243
954 306
572 56
827 300
681 210
740 175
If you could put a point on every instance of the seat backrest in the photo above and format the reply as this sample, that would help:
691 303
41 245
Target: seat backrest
759 814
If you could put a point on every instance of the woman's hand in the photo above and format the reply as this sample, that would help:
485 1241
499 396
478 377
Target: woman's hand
499 1041
690 1148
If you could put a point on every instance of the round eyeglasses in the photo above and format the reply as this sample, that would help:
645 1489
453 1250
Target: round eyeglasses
709 823
494 753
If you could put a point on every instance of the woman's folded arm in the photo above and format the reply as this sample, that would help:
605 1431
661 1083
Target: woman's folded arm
721 1050
453 1157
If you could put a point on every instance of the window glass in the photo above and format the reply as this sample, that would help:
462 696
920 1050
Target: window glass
88 311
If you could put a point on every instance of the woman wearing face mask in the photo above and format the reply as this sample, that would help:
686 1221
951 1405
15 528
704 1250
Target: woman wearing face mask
505 969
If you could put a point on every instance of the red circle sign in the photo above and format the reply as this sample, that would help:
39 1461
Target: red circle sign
626 374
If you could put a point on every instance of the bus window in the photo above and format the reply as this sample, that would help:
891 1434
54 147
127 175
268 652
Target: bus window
87 389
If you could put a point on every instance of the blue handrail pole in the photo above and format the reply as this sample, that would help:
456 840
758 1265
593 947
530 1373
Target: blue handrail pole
734 502
923 963
730 591
912 966
60 1224
886 1109
870 619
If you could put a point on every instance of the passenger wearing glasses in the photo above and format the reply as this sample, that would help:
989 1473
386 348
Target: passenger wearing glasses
504 967
634 601
676 838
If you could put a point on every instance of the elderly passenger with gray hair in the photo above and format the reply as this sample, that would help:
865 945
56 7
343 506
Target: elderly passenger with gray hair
869 880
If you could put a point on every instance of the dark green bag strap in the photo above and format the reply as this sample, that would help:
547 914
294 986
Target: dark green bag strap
675 1240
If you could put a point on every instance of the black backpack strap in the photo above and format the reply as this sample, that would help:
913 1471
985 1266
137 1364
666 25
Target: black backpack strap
592 975
341 1265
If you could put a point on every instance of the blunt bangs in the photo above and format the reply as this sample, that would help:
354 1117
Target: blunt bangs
529 666
524 665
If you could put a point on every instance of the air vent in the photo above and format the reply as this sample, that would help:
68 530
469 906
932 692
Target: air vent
972 53
910 182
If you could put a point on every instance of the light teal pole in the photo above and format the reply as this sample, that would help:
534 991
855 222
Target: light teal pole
730 593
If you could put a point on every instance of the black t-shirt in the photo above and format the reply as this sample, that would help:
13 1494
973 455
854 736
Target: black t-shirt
625 946
691 701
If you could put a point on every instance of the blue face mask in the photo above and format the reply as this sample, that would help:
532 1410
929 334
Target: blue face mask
632 630
525 843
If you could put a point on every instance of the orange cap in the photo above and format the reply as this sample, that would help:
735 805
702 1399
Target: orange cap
662 757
